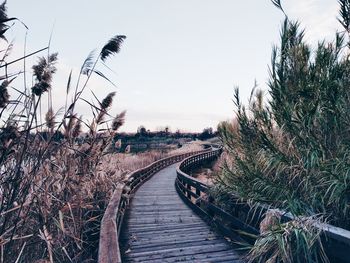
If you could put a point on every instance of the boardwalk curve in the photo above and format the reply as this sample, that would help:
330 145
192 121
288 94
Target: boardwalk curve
160 227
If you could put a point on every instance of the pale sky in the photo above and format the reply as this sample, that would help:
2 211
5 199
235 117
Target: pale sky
181 59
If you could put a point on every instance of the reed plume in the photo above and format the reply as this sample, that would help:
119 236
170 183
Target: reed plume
112 46
4 95
105 105
107 102
118 121
77 128
43 72
50 119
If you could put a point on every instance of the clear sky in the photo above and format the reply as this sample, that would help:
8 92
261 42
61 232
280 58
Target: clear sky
181 59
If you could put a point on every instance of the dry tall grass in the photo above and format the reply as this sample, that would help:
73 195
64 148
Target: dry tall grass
55 181
53 185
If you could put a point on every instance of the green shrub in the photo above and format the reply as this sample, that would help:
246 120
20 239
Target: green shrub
292 150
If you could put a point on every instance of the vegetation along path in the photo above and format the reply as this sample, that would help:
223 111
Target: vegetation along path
159 227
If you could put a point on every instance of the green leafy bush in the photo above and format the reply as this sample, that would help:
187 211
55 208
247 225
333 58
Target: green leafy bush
292 150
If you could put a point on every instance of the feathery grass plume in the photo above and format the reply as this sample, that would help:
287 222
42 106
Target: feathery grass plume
77 128
68 127
40 87
107 102
4 95
3 19
50 119
118 121
112 47
44 69
92 129
88 63
43 72
8 134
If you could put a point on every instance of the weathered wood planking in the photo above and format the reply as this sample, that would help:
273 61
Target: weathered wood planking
159 227
113 218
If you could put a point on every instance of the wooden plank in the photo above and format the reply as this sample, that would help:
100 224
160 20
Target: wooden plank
223 256
160 227
158 213
135 225
167 235
148 240
173 252
163 220
184 241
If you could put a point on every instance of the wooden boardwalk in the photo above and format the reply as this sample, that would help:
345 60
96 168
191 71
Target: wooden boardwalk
159 227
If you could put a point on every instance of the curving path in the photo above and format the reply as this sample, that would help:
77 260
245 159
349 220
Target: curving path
159 227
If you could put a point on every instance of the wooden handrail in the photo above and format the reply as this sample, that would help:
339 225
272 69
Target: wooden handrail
196 195
109 230
112 220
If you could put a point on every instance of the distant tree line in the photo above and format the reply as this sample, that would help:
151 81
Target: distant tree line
207 133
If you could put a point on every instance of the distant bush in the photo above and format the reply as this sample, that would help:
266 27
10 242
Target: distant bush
207 133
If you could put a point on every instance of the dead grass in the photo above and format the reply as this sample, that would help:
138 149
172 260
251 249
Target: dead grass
53 187
55 181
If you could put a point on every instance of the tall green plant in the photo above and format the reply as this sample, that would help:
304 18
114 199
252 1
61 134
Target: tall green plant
292 151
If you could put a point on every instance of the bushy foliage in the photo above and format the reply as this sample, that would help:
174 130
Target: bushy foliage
292 150
294 241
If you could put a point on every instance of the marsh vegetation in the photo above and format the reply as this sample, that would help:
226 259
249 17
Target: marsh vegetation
290 149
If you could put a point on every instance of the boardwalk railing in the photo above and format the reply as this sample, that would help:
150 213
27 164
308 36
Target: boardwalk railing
243 219
113 217
196 195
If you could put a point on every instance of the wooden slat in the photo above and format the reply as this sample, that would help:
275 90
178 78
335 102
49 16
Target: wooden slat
176 252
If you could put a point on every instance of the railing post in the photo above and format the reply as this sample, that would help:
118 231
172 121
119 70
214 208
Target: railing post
198 193
189 189
210 201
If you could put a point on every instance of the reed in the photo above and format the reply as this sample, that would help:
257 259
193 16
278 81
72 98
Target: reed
54 184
